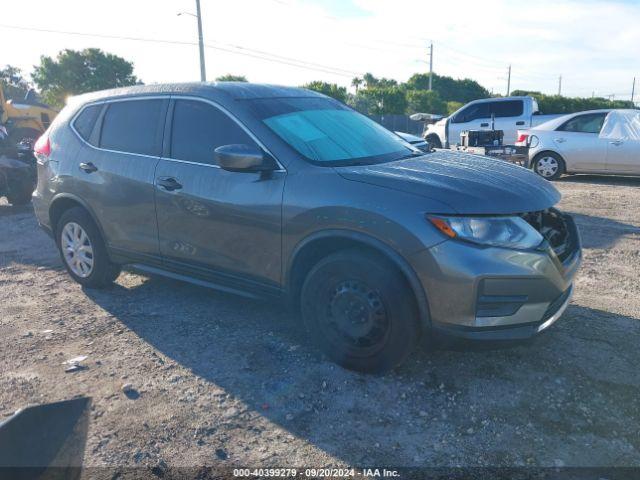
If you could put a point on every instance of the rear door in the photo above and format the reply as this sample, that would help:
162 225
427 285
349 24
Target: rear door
579 143
509 117
214 223
116 168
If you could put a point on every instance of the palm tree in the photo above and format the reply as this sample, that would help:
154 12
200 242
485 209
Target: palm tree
356 82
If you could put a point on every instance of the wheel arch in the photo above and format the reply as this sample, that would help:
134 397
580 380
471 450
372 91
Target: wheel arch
63 202
313 248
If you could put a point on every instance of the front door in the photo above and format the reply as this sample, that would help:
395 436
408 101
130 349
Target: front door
213 223
579 143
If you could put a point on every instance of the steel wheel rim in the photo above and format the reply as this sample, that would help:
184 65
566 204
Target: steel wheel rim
547 166
77 249
362 307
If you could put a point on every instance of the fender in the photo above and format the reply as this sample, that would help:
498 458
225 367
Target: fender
384 249
85 205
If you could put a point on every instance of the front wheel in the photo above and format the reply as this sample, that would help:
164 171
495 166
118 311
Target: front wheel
548 165
360 311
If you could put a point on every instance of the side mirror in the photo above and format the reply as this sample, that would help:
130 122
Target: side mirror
242 158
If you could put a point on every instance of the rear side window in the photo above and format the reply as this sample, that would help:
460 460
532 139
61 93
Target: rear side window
199 128
86 120
507 108
134 126
591 123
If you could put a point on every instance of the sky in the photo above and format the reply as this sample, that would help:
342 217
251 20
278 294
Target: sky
594 45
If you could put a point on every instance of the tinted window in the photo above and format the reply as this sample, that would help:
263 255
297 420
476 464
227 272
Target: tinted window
507 108
472 112
86 120
591 123
133 126
327 132
199 128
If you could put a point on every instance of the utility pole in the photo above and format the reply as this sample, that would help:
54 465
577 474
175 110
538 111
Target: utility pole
560 85
431 66
203 71
633 89
509 81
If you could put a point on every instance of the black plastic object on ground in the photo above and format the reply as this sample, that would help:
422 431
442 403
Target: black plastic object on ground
45 441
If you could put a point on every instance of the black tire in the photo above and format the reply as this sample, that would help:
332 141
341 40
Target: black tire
381 327
104 272
546 173
434 141
20 192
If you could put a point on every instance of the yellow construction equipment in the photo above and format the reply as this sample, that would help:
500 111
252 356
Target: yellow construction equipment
24 120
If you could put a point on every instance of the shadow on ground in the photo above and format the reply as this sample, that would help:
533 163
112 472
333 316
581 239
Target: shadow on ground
496 404
602 232
601 180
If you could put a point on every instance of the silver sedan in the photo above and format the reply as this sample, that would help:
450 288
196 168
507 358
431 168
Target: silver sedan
596 141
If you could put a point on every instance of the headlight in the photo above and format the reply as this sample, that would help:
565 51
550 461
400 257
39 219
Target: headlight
511 232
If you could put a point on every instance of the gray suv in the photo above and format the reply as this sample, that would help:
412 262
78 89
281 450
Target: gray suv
284 193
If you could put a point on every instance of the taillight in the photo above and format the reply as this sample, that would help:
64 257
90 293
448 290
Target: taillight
523 138
42 148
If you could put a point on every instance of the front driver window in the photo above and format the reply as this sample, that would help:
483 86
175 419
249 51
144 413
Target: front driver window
591 123
472 112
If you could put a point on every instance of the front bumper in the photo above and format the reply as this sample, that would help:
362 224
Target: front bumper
496 293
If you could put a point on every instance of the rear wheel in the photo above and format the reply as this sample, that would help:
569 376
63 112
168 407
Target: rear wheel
360 311
83 251
549 165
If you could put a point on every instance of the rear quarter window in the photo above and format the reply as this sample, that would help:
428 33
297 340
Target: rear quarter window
85 122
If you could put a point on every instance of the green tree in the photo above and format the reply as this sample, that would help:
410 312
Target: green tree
554 104
15 85
330 89
73 72
453 106
231 78
381 100
356 82
448 88
425 101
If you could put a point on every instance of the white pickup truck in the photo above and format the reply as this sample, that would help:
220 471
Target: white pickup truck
510 114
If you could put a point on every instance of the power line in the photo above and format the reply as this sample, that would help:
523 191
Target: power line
259 54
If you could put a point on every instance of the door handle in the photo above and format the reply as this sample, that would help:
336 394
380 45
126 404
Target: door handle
88 167
484 124
617 143
560 140
168 183
521 122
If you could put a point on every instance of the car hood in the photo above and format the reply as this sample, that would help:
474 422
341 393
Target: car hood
468 184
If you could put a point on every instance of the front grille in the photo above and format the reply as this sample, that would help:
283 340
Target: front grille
557 229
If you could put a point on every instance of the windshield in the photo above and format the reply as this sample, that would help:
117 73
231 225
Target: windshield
325 131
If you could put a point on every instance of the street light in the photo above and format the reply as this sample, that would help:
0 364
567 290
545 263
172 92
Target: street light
198 16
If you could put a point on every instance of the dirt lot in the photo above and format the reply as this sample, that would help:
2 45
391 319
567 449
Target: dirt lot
220 380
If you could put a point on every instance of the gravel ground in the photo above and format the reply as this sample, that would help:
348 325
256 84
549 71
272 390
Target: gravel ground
219 380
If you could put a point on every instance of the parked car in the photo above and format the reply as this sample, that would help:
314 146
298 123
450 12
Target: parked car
417 142
595 141
509 114
284 193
